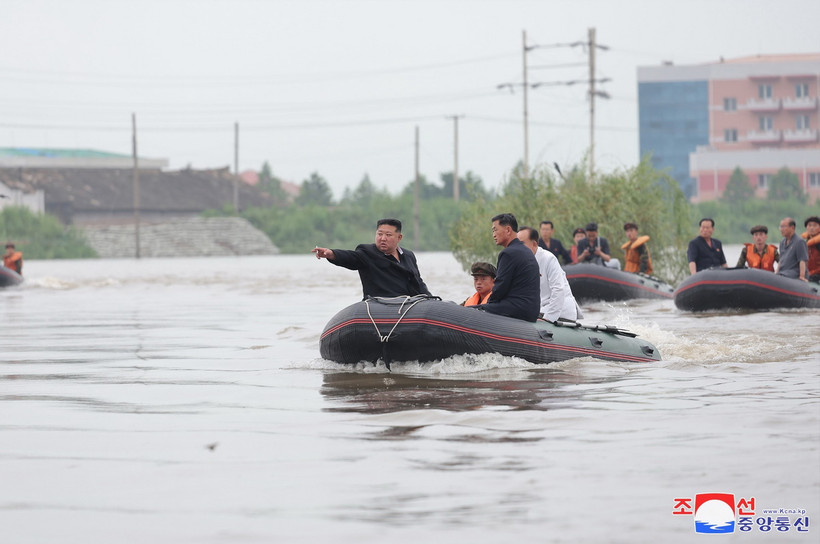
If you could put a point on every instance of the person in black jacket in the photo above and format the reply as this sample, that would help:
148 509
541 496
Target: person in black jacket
386 270
553 245
517 289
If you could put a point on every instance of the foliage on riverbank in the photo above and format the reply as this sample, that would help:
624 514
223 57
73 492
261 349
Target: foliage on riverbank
639 194
41 236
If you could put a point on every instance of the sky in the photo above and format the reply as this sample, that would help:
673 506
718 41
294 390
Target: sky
340 87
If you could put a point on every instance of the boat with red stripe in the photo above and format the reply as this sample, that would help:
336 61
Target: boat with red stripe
598 282
427 329
744 289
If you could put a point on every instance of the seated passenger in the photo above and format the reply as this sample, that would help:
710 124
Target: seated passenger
516 290
759 254
577 235
557 301
705 252
13 259
483 281
637 257
812 237
794 252
595 249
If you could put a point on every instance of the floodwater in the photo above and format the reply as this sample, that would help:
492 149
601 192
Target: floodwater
184 400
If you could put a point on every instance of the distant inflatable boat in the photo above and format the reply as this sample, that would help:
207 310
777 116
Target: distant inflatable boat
596 282
427 329
744 289
9 277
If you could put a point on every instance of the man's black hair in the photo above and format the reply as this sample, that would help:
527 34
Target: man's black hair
547 222
707 219
532 234
812 219
628 226
506 219
392 222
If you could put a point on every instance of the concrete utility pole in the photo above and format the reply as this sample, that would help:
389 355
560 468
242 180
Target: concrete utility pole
456 187
591 103
416 227
136 186
236 167
526 121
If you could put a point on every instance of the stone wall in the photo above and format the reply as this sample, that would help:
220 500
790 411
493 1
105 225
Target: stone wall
194 237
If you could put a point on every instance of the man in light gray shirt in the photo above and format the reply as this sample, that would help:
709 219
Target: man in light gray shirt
794 252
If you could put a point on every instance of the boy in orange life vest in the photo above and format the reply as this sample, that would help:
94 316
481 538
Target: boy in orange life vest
483 280
13 259
812 236
637 254
759 254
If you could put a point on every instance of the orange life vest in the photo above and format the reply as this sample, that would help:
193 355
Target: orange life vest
14 261
765 261
814 253
632 260
473 300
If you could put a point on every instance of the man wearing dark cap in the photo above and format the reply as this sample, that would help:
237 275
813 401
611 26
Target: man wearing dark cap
812 237
759 254
594 249
483 281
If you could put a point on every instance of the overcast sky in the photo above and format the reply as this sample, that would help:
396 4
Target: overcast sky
338 87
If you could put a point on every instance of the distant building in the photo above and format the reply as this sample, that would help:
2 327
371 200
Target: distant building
85 187
757 113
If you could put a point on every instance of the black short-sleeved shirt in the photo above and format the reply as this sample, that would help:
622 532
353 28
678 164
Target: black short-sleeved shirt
382 275
704 256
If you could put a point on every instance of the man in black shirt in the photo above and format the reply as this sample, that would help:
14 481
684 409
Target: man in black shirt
386 270
553 245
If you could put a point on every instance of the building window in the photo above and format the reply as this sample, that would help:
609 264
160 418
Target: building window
801 122
730 135
814 179
764 91
763 181
801 90
766 123
729 104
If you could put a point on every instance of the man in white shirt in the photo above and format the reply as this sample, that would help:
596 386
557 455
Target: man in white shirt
557 301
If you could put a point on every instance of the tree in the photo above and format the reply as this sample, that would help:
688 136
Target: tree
470 187
315 190
785 185
364 193
271 184
738 189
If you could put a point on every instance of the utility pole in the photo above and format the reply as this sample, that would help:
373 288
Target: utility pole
591 103
136 186
456 187
526 122
416 197
236 167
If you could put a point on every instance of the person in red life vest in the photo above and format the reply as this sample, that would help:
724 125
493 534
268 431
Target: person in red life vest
483 281
13 259
577 235
812 237
637 254
759 254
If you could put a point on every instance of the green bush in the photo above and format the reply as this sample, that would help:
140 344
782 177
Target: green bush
42 236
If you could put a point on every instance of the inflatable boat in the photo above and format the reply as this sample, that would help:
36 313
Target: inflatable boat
744 289
596 282
9 277
427 329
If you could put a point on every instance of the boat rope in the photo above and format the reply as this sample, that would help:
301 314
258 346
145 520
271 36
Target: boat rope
402 312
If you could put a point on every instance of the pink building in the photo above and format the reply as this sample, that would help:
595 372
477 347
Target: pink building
763 115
